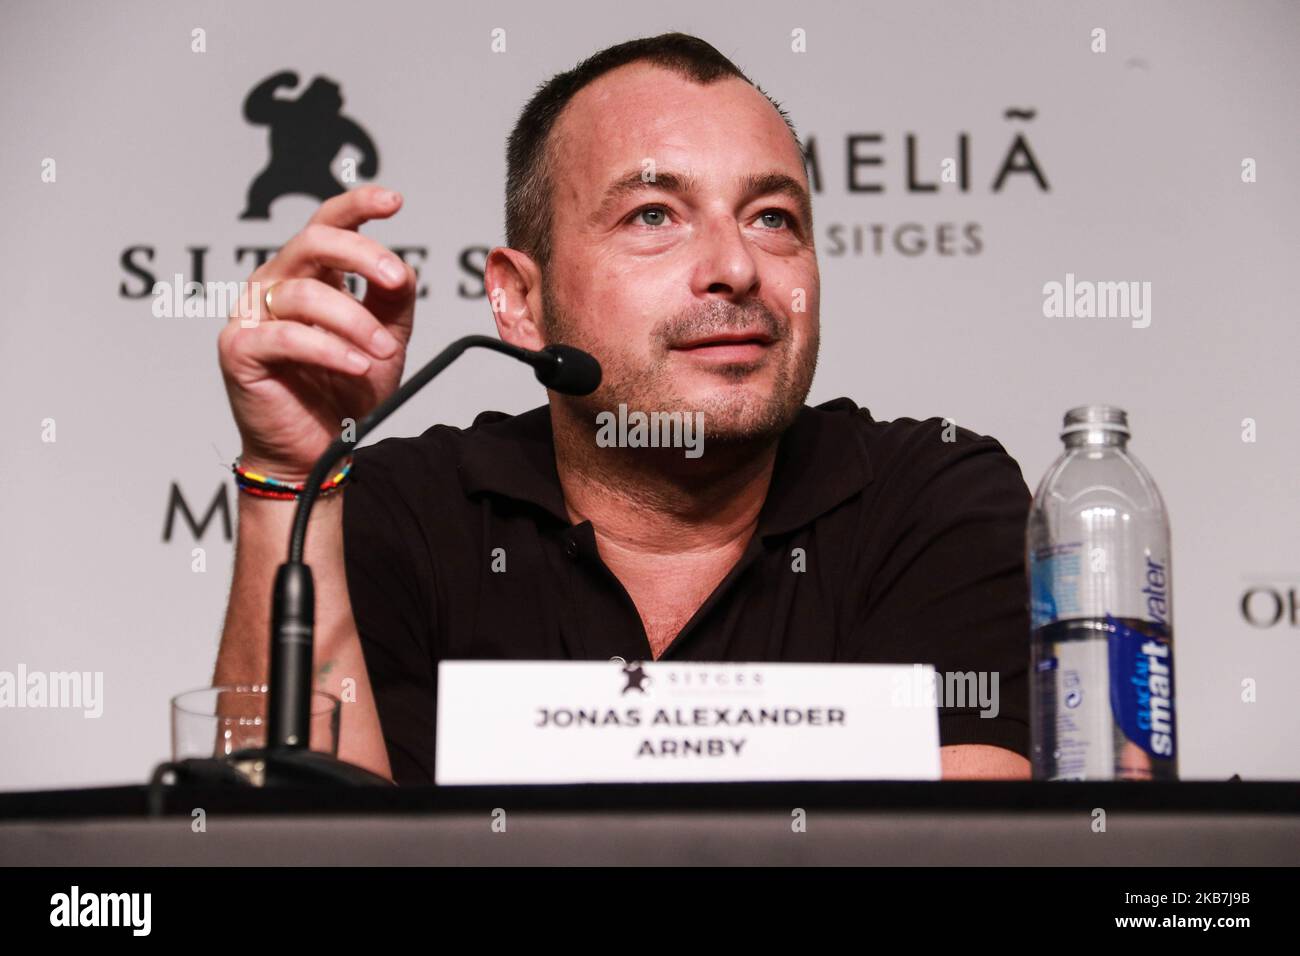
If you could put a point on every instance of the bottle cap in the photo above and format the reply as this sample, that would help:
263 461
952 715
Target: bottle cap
1094 418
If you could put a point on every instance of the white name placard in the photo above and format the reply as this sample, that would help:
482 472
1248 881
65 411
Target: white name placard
530 722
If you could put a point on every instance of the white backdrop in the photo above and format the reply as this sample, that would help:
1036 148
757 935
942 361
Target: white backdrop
1141 148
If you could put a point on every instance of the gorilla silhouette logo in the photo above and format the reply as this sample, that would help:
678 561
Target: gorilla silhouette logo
306 135
636 677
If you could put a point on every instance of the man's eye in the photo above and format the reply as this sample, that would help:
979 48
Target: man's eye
782 219
658 216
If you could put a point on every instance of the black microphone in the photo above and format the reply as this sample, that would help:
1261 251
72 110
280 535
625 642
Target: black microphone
571 371
286 759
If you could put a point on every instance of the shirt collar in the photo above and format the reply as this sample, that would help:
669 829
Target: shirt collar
821 461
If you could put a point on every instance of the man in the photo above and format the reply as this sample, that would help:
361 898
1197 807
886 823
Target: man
658 216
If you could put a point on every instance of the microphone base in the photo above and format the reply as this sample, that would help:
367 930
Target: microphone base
271 768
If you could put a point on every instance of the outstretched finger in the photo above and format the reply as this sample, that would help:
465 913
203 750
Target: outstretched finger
356 206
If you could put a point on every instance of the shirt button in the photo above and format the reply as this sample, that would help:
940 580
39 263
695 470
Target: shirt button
571 548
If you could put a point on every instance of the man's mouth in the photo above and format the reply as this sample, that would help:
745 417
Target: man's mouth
725 347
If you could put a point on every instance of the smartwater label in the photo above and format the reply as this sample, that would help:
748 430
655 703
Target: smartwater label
1142 687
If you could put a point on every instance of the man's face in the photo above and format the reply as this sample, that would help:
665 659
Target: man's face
683 252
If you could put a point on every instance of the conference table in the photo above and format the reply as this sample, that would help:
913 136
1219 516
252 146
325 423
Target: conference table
914 824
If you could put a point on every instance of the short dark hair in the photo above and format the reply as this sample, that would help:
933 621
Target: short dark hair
529 215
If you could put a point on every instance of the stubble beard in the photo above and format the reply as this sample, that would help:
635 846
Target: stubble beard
733 416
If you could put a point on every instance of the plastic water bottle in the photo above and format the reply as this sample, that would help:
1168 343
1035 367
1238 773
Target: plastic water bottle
1097 550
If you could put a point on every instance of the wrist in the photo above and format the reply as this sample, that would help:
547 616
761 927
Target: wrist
272 469
259 480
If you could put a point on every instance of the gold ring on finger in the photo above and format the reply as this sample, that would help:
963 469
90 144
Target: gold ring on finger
266 301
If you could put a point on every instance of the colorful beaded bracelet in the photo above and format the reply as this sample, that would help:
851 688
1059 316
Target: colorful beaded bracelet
264 486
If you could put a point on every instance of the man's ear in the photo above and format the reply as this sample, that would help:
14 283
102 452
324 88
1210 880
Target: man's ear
514 289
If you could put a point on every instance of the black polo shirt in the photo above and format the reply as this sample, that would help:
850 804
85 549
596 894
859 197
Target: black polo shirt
879 542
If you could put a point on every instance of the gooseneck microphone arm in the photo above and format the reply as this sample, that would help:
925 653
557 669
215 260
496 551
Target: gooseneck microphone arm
558 367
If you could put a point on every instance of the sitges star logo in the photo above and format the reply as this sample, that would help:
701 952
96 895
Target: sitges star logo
306 134
636 677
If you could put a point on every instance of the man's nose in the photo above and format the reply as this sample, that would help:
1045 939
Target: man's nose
726 264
